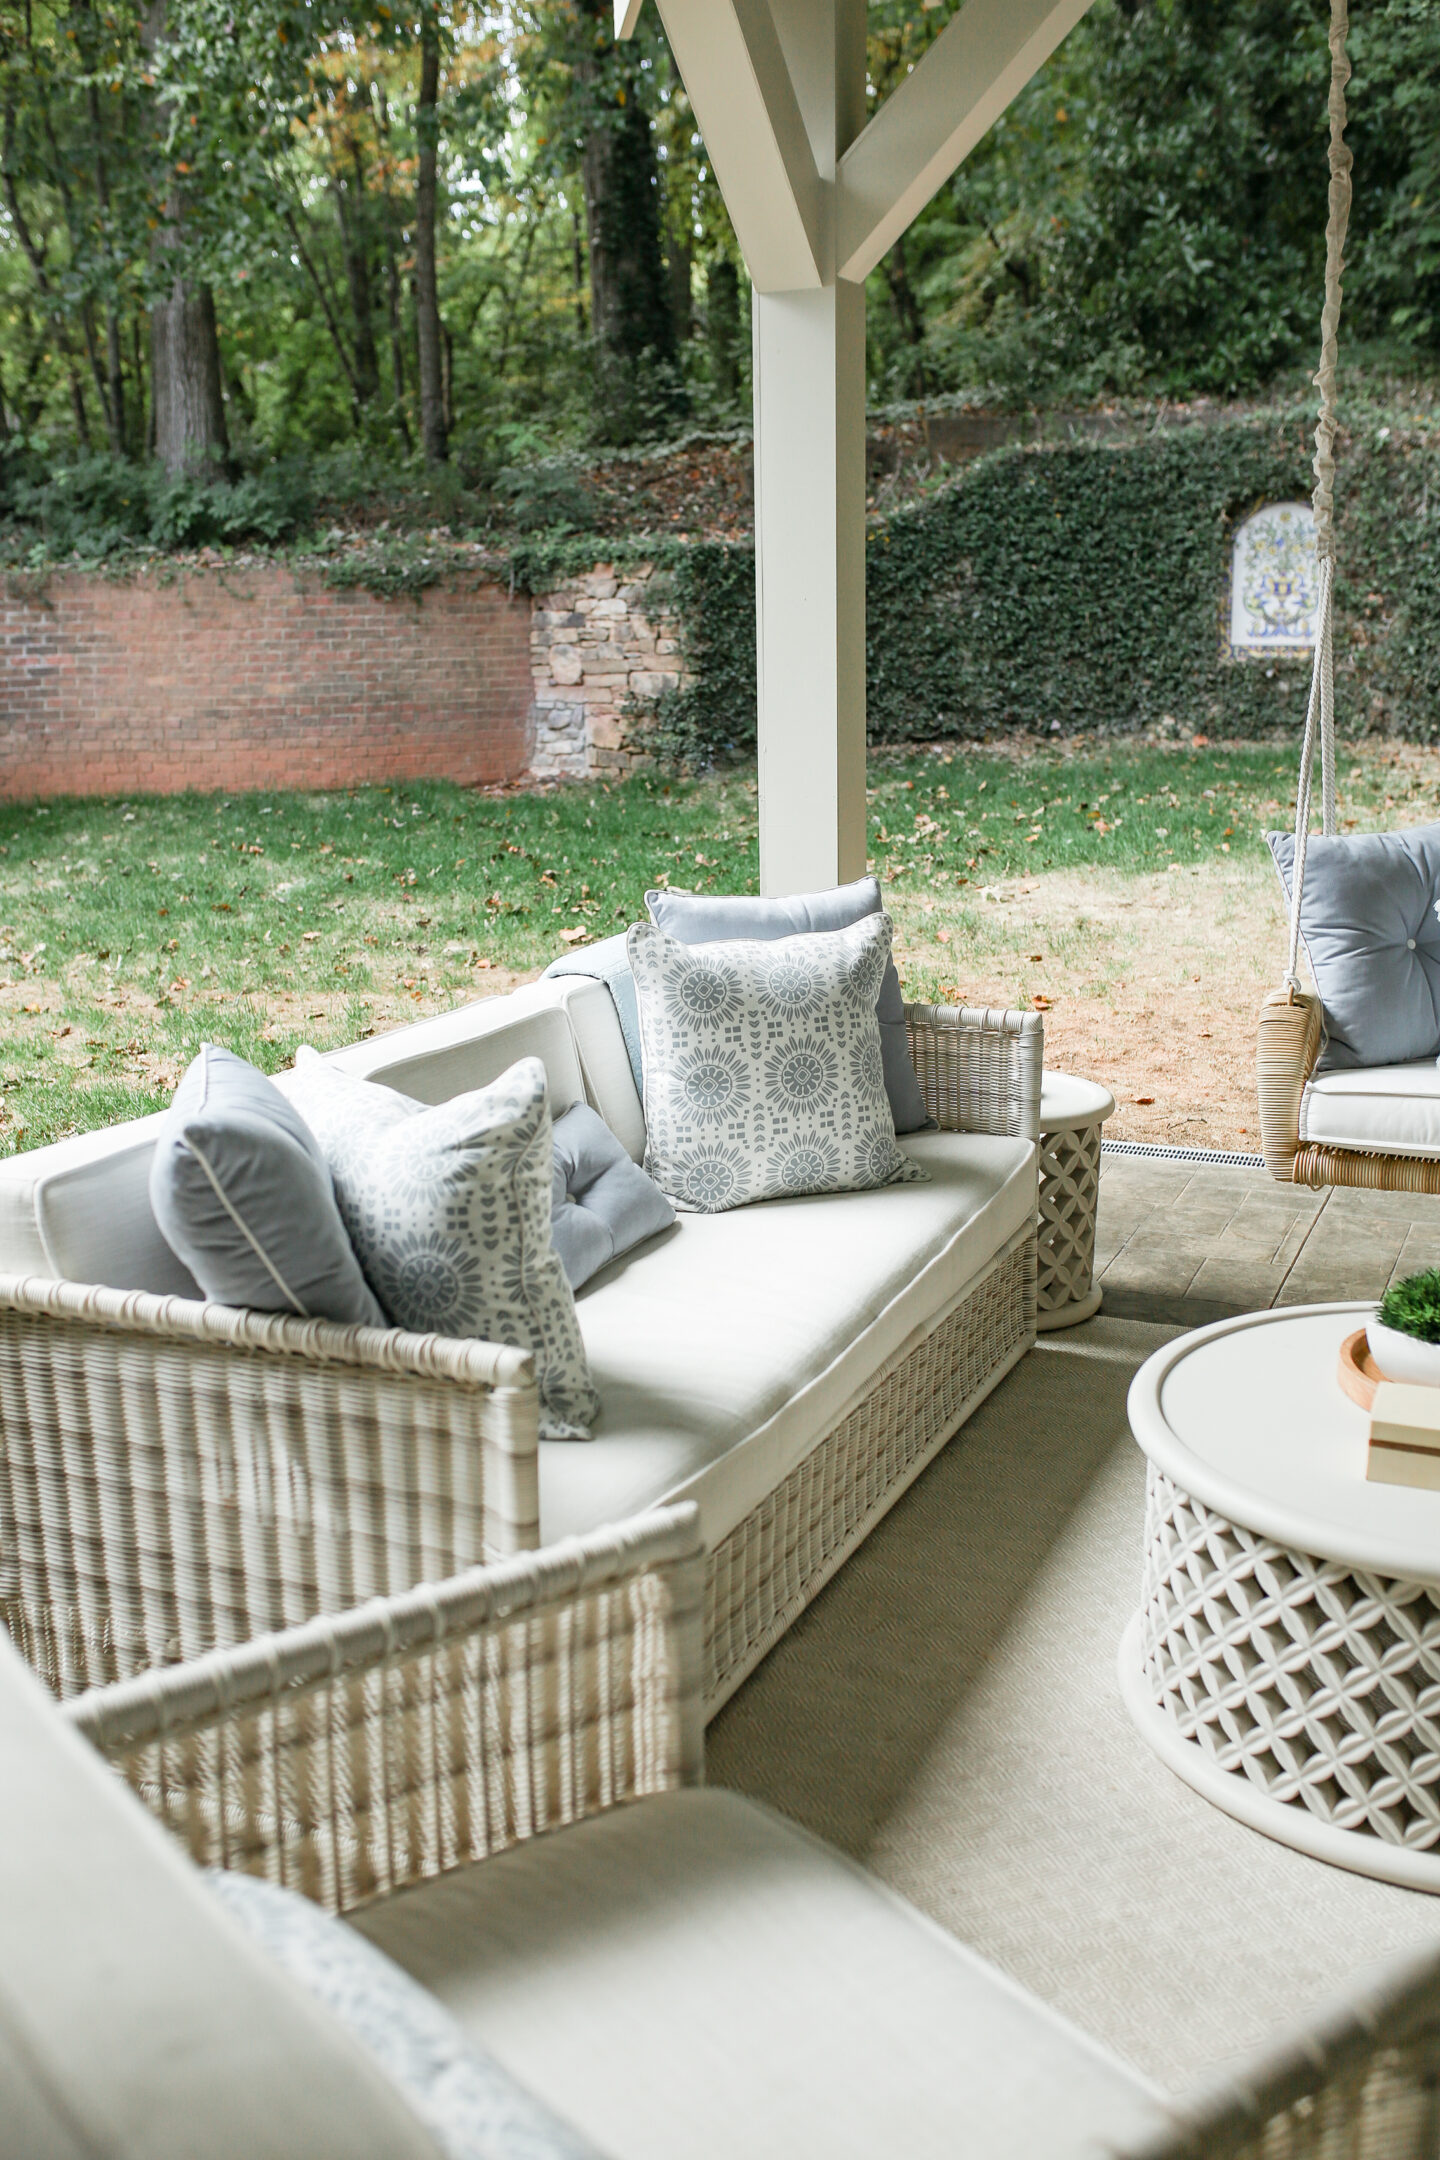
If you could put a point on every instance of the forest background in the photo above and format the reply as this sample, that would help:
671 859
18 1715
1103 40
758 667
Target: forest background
269 267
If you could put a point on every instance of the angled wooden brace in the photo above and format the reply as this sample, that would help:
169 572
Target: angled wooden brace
978 64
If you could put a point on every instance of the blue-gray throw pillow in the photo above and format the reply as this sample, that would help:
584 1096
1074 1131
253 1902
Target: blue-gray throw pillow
706 918
1368 921
603 1204
469 2102
243 1195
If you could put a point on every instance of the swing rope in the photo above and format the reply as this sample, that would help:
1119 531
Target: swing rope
1321 708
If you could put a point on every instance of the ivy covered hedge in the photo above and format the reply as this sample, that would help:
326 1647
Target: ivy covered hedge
1058 589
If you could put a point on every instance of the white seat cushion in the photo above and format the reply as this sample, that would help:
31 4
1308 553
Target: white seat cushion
1383 1109
690 1978
728 1346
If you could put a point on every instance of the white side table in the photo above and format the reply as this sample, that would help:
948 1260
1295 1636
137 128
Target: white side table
1285 1659
1071 1114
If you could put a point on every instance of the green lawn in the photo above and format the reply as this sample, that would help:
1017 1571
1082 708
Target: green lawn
133 931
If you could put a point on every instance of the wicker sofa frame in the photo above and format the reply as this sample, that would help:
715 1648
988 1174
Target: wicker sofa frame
178 1477
1290 1034
363 1752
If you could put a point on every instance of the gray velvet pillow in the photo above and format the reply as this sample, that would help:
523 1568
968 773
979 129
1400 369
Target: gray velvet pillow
469 2102
603 1204
705 918
242 1194
1368 920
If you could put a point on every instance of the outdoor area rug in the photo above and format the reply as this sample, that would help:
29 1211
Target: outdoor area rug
947 1712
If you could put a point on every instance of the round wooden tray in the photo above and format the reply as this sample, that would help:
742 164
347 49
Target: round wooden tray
1358 1374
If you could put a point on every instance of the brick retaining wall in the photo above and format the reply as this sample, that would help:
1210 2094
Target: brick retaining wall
258 678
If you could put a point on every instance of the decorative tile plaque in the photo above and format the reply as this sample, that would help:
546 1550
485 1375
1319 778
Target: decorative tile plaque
1274 580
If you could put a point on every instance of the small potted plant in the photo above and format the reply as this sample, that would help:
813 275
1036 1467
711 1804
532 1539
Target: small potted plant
1404 1336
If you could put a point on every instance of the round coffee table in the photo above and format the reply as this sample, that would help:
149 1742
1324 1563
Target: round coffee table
1285 1659
1072 1112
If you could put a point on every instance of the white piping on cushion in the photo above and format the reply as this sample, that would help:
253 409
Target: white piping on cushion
245 1231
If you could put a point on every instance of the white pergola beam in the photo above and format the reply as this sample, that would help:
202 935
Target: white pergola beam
627 14
977 65
745 106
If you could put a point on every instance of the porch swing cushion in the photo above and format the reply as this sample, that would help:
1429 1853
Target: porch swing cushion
1369 924
1380 1110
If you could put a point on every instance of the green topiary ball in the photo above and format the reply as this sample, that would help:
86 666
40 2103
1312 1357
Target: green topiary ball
1412 1307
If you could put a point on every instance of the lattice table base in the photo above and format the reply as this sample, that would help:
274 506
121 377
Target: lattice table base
1296 1693
1065 1254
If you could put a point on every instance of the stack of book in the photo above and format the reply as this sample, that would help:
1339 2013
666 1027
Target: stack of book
1404 1436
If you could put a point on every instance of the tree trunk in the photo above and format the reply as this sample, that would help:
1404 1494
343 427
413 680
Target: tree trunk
350 211
907 312
187 405
434 436
189 408
630 301
722 326
679 265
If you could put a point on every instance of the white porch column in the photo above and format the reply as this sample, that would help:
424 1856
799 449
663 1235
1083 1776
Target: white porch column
809 392
809 373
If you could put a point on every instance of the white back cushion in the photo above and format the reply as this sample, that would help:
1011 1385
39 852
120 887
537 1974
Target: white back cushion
470 1048
80 1210
604 1060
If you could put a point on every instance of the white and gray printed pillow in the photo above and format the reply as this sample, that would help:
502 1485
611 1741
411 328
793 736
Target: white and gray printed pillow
469 2102
763 1073
448 1209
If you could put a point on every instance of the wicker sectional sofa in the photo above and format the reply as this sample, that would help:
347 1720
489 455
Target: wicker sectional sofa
177 1475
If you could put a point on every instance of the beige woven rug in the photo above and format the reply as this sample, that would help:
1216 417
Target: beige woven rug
947 1712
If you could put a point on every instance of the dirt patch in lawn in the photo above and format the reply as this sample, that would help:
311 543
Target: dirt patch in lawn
1151 983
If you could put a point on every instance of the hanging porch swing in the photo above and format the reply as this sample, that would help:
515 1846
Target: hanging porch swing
1348 1081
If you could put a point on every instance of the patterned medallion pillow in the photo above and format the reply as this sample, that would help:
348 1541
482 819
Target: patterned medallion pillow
448 1209
698 918
763 1075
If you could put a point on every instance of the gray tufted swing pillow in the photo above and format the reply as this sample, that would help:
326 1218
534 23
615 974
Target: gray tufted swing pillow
1368 921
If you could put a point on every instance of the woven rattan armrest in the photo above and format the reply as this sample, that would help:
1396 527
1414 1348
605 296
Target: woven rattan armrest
1358 2077
175 1476
979 1070
370 1749
1287 1045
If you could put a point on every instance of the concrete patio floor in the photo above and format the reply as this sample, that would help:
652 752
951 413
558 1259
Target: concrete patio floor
1184 1243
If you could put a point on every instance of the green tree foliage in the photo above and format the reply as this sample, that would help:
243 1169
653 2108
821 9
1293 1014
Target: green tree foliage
1149 215
1146 218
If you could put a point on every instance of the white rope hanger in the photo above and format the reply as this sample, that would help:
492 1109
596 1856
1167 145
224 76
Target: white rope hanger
1321 708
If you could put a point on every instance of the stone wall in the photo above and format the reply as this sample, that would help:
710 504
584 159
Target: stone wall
257 677
596 645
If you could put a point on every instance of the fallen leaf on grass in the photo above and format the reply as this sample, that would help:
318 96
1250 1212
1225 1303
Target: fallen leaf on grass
942 937
577 936
1143 1100
30 1008
308 937
1040 1002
